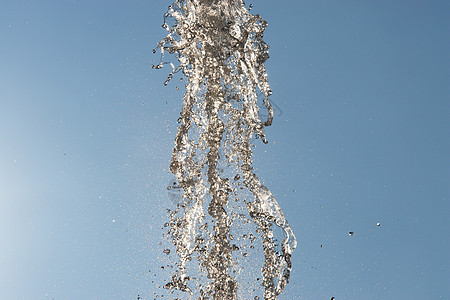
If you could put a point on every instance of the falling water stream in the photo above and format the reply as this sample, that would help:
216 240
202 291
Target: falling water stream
224 215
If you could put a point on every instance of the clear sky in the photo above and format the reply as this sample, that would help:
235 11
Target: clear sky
361 136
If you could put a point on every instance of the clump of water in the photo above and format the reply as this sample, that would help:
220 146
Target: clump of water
222 216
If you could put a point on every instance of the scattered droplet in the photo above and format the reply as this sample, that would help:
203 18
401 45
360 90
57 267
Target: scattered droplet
252 237
169 78
166 251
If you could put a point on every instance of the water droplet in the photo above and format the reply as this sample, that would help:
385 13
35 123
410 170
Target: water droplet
169 78
167 251
351 233
252 237
378 224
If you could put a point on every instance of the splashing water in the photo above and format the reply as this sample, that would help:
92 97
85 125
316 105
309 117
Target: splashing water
220 49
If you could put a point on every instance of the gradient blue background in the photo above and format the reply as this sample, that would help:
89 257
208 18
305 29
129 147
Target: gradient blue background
361 136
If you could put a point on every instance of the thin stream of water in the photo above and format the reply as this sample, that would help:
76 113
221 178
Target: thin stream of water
221 53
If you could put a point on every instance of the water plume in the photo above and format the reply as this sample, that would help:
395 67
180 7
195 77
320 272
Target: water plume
221 53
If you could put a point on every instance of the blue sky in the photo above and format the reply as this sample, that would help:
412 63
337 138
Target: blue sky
361 136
